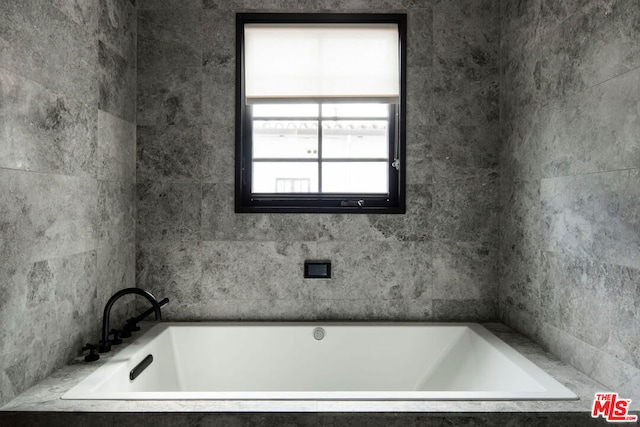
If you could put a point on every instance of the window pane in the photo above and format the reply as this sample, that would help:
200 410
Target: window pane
285 139
354 177
356 110
285 110
285 177
366 139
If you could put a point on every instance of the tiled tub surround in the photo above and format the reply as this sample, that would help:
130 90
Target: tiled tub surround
67 178
570 183
46 408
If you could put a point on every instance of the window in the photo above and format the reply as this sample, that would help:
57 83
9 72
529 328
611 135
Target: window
320 122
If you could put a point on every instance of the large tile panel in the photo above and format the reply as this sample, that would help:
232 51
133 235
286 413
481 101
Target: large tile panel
465 95
44 45
169 39
254 270
218 156
117 84
170 97
171 269
594 216
117 270
420 28
599 365
116 159
117 27
43 226
594 302
466 33
169 153
464 270
61 292
595 130
465 151
45 131
116 211
591 47
465 310
168 210
82 12
377 270
466 208
371 309
520 249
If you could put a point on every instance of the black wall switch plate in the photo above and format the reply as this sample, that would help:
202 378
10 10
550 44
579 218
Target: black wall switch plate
317 269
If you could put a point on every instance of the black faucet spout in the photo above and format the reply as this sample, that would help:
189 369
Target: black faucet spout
105 345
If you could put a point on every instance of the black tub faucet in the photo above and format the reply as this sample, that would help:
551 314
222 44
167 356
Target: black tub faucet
105 344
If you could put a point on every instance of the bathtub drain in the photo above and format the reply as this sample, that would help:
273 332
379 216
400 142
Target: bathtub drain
318 333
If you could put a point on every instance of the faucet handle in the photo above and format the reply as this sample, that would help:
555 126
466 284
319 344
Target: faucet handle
104 346
93 355
124 333
116 337
131 325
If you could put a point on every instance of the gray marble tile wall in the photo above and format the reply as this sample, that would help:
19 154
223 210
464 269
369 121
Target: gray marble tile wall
439 261
67 178
570 182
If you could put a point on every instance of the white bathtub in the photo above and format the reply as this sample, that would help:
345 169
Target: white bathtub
256 361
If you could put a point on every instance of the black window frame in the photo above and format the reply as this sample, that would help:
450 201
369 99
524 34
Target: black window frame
247 202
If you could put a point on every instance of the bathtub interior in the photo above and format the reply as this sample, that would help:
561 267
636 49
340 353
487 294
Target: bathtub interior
285 361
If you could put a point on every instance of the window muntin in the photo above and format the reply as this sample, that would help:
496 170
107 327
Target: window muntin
320 151
345 146
284 138
355 139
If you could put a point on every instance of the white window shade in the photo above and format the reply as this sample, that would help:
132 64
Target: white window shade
310 61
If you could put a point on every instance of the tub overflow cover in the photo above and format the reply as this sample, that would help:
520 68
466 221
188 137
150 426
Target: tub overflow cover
318 333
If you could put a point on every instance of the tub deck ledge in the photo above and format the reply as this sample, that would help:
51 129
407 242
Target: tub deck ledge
41 404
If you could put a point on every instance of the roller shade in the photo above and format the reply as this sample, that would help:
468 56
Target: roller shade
319 61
